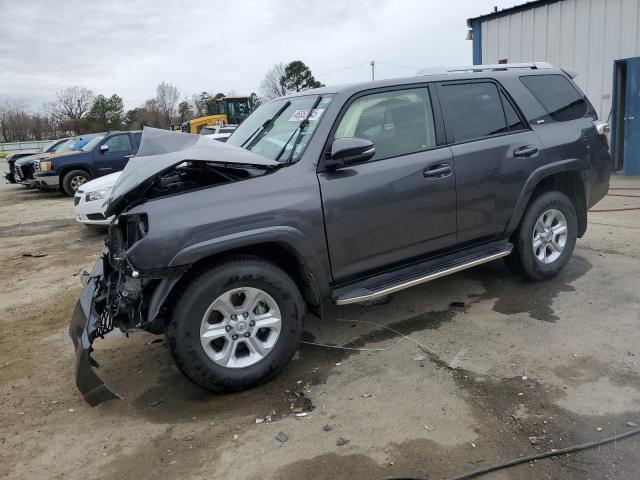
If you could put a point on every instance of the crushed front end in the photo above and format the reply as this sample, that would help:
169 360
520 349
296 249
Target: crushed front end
116 295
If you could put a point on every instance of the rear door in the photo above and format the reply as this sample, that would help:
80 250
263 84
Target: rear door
395 206
120 150
493 152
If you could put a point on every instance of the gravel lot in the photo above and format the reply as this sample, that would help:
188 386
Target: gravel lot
509 361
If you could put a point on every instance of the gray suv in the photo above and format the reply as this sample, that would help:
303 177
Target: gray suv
340 194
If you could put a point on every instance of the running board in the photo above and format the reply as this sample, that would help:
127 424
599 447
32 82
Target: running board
417 273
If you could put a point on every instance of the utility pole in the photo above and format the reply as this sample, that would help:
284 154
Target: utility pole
373 70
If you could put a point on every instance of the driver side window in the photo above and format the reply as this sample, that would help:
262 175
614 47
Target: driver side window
119 143
399 122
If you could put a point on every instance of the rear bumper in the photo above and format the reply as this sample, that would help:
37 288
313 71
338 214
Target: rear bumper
86 325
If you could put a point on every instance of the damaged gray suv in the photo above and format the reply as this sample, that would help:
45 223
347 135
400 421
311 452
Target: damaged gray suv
341 194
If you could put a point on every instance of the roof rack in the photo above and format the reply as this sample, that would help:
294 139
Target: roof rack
497 67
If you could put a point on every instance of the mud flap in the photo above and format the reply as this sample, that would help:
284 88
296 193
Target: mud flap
86 323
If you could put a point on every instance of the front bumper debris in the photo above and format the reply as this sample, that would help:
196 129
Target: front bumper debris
86 325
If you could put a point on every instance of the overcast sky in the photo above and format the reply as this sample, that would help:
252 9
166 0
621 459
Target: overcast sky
128 47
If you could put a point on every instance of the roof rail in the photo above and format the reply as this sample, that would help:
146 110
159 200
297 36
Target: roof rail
486 68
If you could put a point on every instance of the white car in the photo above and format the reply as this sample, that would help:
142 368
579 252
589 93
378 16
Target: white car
90 197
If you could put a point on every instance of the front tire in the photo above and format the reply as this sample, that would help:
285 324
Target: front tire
236 325
73 180
546 237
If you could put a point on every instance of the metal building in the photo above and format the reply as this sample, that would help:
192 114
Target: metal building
598 39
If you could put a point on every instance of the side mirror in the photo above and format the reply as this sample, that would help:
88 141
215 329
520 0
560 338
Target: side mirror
349 151
104 148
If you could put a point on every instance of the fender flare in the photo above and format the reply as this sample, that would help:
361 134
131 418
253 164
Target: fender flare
569 165
295 241
79 166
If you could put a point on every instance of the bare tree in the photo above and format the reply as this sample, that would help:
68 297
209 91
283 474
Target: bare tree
270 86
166 100
71 107
17 124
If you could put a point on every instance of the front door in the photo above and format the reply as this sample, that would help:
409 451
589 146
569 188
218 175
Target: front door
631 118
120 150
399 205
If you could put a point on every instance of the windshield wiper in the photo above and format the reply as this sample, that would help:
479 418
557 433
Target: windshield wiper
264 128
302 125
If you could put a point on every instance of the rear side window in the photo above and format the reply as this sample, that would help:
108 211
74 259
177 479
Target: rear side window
559 98
472 111
399 122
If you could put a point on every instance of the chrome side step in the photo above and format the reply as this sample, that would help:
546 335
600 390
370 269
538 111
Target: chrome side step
417 273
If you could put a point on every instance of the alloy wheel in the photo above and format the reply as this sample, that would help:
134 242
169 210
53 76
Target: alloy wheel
549 236
240 327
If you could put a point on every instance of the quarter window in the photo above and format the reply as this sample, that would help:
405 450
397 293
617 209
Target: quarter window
560 99
119 143
472 111
397 122
513 120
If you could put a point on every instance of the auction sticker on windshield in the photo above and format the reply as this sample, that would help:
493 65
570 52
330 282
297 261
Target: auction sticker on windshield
300 115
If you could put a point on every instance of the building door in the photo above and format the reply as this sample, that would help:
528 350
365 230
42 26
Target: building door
626 116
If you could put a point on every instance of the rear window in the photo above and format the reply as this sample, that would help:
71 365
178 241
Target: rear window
557 95
472 111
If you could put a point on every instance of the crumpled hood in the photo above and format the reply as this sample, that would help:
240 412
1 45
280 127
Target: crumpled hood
161 150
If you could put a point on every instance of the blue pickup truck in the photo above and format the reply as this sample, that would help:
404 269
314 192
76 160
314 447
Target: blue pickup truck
105 153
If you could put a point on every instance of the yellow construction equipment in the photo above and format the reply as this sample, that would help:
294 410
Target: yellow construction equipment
224 111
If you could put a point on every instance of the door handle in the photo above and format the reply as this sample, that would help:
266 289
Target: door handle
526 151
441 170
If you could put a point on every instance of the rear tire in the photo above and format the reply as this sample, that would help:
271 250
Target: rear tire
202 328
73 179
546 237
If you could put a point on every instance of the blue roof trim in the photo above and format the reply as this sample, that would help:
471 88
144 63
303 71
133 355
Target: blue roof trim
509 11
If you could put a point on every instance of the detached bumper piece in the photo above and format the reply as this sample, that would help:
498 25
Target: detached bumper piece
86 325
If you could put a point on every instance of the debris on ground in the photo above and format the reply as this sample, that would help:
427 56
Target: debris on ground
632 424
419 358
327 428
342 441
301 403
536 440
365 395
235 437
34 254
281 437
457 304
155 403
303 414
259 420
71 410
599 429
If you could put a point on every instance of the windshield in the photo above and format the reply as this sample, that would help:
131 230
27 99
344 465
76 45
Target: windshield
90 145
49 146
64 146
280 139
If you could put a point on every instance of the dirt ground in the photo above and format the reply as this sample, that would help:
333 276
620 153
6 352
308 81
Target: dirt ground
509 369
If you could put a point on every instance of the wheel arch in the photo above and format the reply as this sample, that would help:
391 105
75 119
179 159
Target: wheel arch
67 168
568 177
297 259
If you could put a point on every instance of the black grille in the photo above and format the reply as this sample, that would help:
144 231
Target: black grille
27 171
103 327
95 216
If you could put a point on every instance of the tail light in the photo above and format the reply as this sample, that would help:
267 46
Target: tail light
603 130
